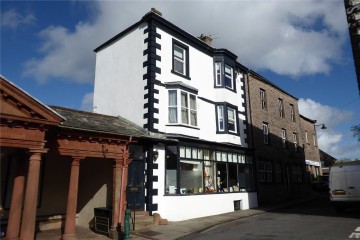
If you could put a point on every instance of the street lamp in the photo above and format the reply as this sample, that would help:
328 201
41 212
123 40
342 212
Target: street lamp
322 126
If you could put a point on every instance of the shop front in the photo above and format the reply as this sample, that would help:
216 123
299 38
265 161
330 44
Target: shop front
202 179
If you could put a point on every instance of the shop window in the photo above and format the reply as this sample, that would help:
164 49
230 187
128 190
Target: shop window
246 181
201 170
210 176
171 169
233 178
191 176
221 177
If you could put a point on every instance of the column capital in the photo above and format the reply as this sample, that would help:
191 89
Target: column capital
38 150
76 161
118 163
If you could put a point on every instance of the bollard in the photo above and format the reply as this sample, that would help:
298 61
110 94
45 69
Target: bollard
120 233
127 224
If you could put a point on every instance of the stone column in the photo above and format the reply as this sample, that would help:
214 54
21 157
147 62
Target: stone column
125 172
13 227
27 231
117 179
70 221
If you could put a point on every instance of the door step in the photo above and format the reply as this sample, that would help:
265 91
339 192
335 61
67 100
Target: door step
143 220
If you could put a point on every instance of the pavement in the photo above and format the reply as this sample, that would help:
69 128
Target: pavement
180 229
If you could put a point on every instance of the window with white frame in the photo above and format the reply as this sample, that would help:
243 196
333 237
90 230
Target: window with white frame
187 109
229 78
172 106
281 107
179 59
292 113
266 133
218 74
226 119
306 137
295 139
231 114
263 98
224 75
220 119
283 138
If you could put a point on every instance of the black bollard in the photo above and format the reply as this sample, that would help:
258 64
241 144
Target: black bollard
120 233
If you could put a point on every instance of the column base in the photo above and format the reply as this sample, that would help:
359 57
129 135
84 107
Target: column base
114 234
69 236
12 238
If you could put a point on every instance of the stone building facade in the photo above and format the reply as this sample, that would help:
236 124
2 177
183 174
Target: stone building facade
311 149
276 138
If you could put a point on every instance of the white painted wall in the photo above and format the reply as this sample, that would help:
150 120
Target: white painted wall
202 78
119 84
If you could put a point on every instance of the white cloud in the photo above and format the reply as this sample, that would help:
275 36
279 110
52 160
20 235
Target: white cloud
87 102
12 19
287 37
330 116
331 140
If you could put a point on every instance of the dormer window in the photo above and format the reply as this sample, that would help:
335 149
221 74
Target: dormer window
224 75
229 78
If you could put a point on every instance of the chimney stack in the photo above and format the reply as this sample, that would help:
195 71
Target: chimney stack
154 10
206 39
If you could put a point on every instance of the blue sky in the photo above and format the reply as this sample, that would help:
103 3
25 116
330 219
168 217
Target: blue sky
301 46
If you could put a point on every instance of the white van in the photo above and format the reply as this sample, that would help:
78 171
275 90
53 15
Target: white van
344 186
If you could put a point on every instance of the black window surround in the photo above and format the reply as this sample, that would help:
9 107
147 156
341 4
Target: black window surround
224 61
226 130
186 65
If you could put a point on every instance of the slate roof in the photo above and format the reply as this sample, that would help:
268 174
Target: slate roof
94 122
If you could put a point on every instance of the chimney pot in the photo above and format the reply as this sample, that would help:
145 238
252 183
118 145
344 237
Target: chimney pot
206 39
154 10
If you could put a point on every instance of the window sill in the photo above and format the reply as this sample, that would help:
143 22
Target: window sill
182 125
181 75
223 87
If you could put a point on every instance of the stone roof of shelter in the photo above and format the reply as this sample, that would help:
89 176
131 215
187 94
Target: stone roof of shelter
94 122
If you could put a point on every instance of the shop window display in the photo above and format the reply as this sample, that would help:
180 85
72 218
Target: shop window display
191 177
171 169
205 171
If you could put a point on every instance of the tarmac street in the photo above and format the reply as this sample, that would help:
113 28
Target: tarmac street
313 218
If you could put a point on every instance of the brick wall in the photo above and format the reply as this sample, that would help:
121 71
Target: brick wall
287 159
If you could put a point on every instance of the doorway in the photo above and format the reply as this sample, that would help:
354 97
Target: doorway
135 192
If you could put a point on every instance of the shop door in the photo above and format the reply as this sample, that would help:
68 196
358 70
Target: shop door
135 193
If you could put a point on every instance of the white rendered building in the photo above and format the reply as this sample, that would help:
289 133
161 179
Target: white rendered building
170 82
